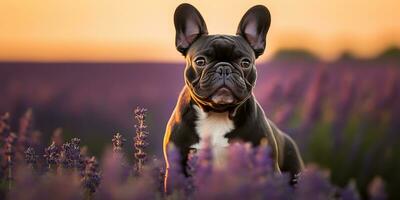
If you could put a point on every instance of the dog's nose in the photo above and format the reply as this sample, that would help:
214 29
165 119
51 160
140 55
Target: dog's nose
224 70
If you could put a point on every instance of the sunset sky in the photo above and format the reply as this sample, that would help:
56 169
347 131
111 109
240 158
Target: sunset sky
127 30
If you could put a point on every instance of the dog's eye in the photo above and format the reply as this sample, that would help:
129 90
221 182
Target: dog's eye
200 61
245 63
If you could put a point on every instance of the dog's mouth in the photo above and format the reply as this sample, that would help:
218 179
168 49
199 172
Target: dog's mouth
223 96
221 100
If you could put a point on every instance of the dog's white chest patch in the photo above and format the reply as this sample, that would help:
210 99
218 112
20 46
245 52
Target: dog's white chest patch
213 126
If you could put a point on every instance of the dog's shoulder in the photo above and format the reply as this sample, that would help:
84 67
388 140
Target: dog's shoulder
182 106
181 123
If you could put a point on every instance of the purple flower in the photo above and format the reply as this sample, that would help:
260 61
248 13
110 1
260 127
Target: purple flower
24 133
9 154
52 154
140 140
276 186
204 167
4 126
158 174
30 156
91 178
246 173
350 192
118 142
232 180
49 186
313 184
263 162
113 175
4 133
313 97
191 169
70 154
239 158
175 179
57 137
376 189
25 123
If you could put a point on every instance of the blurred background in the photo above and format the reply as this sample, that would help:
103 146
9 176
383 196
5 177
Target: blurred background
330 76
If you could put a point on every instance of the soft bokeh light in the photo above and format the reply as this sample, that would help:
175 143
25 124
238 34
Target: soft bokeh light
106 30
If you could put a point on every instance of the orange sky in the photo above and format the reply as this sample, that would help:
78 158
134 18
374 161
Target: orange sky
127 30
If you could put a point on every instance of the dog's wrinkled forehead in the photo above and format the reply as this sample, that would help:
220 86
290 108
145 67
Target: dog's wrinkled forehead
221 47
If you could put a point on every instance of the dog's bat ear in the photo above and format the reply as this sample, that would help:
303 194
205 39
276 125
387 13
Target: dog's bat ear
189 26
254 27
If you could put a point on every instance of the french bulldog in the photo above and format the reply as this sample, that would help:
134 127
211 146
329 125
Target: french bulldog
217 103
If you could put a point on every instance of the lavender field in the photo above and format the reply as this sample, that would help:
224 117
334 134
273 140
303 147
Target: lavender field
344 115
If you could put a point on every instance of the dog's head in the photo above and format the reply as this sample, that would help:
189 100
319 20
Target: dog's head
220 69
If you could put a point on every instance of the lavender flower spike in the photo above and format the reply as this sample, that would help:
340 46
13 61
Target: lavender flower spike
118 142
30 156
71 153
9 153
52 155
376 189
57 137
140 139
350 192
4 126
91 177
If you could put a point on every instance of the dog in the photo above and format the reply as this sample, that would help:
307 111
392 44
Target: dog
217 103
